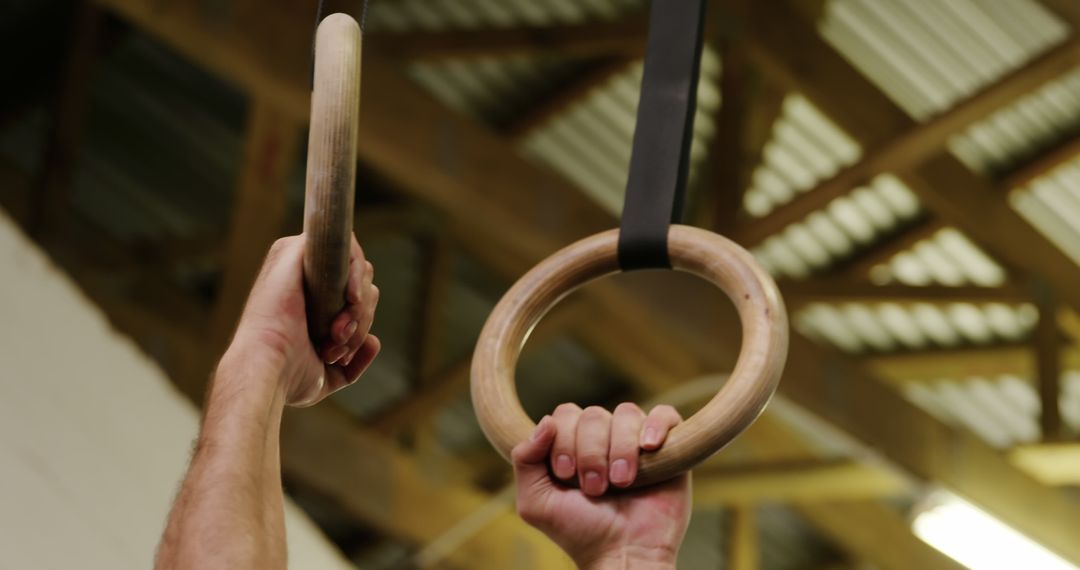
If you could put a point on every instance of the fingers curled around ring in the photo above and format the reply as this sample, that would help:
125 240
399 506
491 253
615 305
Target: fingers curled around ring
625 444
657 425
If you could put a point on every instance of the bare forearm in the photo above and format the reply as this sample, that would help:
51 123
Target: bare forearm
229 510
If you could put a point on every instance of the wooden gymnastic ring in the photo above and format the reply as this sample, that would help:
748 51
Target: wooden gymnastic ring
708 255
331 170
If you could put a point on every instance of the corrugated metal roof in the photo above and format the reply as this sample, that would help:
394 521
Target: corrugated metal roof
1052 204
945 258
893 326
1003 411
928 55
806 149
590 143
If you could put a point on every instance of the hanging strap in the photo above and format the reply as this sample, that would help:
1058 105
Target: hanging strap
659 163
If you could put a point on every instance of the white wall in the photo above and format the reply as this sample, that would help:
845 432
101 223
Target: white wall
93 438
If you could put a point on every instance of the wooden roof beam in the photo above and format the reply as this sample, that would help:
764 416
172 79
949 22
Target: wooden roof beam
861 265
799 481
1067 151
960 363
1067 10
623 37
798 294
1051 463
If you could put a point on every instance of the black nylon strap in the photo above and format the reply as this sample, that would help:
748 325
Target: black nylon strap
660 160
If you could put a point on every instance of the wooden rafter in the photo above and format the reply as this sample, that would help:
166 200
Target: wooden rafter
607 39
51 198
1067 10
1066 151
1050 463
960 363
798 294
796 481
923 228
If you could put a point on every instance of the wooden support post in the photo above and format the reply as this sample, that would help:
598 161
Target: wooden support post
258 213
1047 346
744 539
50 203
430 319
726 175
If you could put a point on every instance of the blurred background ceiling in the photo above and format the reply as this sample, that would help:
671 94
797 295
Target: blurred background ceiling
908 171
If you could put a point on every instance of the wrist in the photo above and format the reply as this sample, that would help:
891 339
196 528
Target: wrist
247 387
631 558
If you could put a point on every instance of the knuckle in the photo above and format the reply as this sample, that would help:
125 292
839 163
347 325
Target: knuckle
566 409
373 295
592 459
595 412
280 244
665 410
628 408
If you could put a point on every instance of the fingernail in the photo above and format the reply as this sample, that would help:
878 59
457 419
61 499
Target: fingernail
593 483
651 437
336 354
564 466
348 357
620 472
349 330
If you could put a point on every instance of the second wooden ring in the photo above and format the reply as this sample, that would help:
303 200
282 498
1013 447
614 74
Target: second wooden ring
705 254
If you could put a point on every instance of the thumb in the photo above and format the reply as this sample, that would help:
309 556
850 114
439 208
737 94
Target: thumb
530 461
